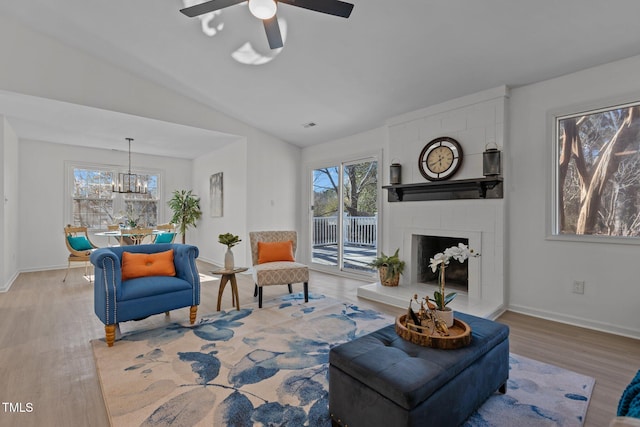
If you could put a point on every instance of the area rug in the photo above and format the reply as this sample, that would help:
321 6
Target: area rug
269 367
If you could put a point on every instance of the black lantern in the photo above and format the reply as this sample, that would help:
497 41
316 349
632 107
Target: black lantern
395 173
491 160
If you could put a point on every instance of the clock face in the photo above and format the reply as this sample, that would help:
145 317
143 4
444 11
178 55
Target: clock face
440 159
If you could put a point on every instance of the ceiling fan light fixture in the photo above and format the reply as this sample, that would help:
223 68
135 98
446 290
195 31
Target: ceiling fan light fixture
263 9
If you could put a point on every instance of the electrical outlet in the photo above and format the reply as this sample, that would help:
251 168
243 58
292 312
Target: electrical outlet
578 286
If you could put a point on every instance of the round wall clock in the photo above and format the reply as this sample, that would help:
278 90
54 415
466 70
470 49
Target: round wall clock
440 159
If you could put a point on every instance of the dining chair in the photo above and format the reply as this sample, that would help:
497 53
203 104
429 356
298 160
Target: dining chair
167 235
79 246
137 235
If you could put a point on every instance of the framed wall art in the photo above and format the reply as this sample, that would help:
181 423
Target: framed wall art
216 195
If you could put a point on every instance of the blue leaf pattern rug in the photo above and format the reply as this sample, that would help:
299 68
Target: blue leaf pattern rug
268 367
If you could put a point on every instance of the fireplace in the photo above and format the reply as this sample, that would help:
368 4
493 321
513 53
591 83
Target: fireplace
456 274
476 294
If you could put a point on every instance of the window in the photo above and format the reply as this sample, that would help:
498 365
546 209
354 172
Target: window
94 205
344 220
597 176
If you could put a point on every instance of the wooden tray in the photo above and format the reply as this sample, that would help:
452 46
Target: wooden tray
459 335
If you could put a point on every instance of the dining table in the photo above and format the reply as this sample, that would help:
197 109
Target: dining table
130 236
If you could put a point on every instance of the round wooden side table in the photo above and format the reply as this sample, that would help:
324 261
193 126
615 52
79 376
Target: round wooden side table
229 275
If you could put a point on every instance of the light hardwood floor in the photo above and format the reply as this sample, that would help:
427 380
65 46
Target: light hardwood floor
46 358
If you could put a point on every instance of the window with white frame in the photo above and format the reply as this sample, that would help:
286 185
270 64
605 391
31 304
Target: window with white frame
94 205
597 175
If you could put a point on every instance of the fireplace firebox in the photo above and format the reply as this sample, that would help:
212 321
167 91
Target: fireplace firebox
456 273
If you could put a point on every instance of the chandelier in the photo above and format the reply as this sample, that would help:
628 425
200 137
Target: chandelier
129 182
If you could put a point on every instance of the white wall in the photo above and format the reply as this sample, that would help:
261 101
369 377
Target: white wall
273 185
541 271
261 192
41 184
9 210
231 160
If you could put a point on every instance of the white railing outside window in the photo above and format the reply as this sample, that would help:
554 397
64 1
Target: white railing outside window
361 230
357 230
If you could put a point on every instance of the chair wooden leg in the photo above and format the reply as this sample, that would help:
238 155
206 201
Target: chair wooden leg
110 334
290 288
259 296
192 314
65 274
306 291
255 291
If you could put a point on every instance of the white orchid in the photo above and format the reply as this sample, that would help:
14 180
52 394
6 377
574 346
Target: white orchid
437 259
460 253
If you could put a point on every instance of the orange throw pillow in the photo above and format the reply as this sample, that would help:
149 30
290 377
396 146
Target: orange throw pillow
142 265
275 251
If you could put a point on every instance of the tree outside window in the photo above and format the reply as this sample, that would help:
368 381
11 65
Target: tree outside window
598 172
95 206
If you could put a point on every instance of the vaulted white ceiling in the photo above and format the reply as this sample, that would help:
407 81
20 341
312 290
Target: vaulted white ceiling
345 75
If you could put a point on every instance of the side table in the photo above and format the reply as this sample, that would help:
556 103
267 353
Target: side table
229 275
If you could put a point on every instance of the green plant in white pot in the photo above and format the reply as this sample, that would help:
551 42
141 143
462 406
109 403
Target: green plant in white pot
389 268
230 240
186 210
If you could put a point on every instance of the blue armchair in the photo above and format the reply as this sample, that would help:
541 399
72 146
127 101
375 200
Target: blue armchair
117 301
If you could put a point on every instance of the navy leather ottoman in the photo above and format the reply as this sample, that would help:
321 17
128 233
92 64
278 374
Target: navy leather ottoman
382 380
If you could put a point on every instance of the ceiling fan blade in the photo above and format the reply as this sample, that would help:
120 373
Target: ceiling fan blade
273 32
208 6
331 7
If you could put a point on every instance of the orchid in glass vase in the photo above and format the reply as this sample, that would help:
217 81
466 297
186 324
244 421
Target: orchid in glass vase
441 260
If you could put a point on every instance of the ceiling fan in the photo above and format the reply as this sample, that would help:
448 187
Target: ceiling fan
266 10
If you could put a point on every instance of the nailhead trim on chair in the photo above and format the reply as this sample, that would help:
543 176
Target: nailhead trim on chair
195 279
113 272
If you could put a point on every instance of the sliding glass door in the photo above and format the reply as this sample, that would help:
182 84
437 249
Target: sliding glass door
344 220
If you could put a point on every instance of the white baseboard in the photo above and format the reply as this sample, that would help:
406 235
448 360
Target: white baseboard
5 287
576 321
209 261
51 267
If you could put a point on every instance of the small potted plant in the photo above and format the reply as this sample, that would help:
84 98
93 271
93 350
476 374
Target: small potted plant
131 218
389 268
230 240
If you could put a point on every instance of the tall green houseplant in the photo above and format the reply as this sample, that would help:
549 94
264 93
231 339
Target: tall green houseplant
186 210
